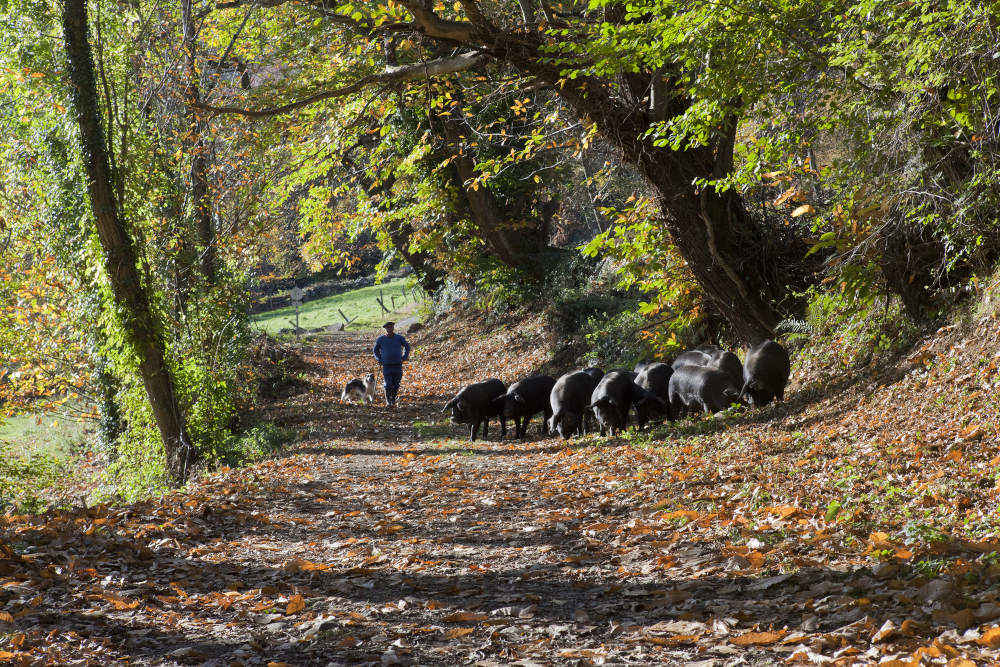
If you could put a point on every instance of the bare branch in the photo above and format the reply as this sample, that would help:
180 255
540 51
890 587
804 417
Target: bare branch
390 77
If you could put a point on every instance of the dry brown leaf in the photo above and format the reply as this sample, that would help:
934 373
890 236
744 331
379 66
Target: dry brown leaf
886 632
990 637
672 641
880 540
802 210
119 603
758 638
455 633
465 617
296 603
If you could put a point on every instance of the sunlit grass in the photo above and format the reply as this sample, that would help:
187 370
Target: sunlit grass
359 303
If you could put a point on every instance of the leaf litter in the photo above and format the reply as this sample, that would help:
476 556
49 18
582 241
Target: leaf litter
839 528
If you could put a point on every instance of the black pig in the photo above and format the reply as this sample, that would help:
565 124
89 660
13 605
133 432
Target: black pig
728 363
701 388
569 401
476 404
612 398
692 358
527 398
765 373
654 378
710 356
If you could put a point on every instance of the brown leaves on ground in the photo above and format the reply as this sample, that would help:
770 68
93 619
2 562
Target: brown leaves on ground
839 528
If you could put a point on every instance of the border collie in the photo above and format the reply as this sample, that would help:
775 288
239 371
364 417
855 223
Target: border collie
358 390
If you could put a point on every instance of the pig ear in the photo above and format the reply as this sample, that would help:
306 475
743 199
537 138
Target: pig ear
601 401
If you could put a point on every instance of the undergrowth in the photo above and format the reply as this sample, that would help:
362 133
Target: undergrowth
23 478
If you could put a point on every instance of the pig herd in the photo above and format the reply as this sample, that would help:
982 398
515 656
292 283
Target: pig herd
707 379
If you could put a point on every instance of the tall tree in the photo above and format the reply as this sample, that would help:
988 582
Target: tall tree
750 269
120 260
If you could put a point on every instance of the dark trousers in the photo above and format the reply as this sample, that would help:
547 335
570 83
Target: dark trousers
393 375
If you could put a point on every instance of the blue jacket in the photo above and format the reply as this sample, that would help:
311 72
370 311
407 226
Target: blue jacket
391 350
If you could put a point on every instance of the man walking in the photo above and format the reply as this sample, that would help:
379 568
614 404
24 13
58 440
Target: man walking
391 350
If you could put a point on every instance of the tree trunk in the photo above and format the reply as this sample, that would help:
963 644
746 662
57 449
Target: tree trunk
430 277
197 149
740 264
480 204
139 321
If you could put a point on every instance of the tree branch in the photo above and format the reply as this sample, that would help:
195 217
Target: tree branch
474 13
390 77
433 25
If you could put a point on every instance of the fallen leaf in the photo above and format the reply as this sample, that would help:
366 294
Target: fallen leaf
296 603
671 641
465 617
455 633
990 637
758 638
886 632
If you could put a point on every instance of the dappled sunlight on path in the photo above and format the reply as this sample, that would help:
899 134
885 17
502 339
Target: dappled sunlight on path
382 536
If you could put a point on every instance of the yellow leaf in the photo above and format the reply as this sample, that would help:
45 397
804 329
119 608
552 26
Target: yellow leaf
879 540
802 210
296 603
756 558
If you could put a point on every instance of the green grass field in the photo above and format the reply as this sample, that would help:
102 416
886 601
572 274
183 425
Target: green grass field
359 303
36 454
48 433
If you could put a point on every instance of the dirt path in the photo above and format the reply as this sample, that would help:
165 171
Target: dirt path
382 538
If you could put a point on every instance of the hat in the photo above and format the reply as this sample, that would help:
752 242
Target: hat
388 324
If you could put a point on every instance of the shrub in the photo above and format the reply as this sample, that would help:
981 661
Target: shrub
23 477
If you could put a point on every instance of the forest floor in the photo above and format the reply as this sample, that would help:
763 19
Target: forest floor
856 523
